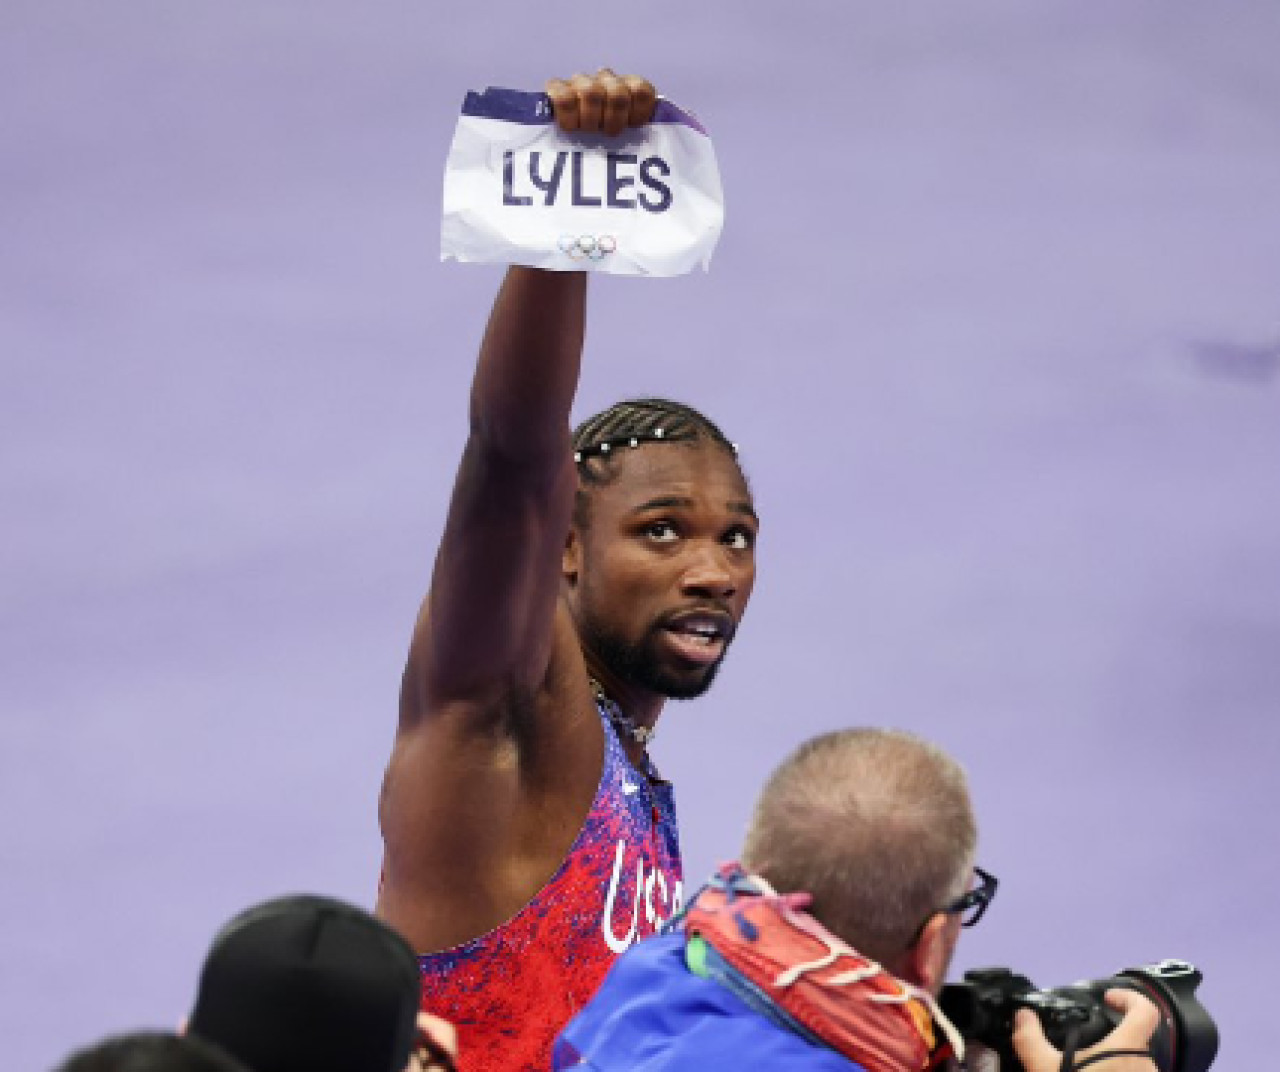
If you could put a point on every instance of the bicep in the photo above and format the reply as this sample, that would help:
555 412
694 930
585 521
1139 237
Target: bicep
486 628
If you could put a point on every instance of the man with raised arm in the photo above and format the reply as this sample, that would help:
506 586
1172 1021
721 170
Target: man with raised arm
582 580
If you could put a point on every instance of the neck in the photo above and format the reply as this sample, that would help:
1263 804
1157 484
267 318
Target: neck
633 734
640 706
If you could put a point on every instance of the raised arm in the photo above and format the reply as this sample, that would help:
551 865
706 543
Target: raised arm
484 637
486 625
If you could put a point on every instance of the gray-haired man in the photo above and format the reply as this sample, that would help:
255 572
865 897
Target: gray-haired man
877 828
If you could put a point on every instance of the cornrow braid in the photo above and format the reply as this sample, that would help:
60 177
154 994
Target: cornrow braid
628 424
635 421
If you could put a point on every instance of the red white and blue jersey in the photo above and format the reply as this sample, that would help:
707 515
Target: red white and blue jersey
512 990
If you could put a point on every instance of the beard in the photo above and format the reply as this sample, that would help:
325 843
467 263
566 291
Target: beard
642 664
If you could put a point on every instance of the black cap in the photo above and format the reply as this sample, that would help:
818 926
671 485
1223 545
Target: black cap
309 984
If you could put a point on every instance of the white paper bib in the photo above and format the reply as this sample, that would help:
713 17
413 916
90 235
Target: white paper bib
518 190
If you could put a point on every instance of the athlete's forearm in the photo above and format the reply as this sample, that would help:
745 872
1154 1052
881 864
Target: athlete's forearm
529 364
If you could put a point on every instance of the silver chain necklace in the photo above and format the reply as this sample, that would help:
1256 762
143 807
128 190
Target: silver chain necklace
623 722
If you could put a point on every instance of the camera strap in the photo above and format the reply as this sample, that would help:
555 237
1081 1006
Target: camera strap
1093 1059
1069 1052
1069 1044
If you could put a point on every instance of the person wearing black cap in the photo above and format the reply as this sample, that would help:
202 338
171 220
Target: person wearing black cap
311 984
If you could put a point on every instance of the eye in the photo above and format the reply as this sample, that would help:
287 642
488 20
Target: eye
661 532
740 539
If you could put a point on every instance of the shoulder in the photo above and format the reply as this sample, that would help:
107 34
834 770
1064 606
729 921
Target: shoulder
650 1002
544 739
562 740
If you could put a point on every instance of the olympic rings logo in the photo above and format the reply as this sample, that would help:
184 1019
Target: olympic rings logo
591 247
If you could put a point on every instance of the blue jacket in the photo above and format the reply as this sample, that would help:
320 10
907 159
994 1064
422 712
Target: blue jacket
652 1014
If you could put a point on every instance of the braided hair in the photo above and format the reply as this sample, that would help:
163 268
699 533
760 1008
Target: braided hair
626 425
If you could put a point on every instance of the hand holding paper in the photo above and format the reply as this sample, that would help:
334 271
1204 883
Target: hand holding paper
603 104
597 174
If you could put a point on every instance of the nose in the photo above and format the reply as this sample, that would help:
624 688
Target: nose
708 573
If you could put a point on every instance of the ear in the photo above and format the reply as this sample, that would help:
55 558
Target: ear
571 557
929 959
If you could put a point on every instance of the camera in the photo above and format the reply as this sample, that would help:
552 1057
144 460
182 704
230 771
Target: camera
982 1009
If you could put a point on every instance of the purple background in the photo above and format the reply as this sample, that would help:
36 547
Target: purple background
995 319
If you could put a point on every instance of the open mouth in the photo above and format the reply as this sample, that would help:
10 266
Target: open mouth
699 638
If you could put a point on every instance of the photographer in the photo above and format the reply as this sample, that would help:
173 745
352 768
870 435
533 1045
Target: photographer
876 827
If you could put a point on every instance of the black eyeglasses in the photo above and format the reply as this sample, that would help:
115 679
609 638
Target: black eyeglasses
968 906
971 906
